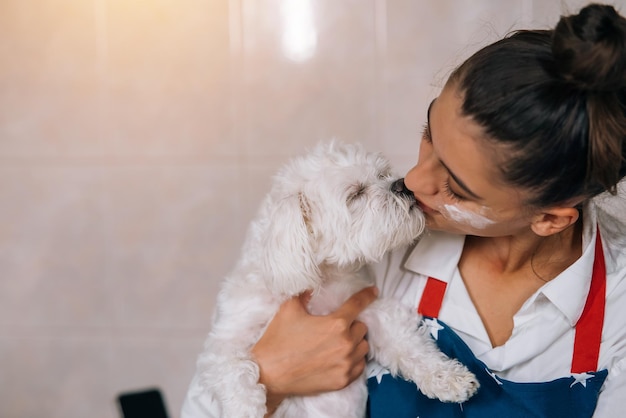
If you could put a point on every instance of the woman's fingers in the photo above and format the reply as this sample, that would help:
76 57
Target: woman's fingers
358 330
304 354
352 307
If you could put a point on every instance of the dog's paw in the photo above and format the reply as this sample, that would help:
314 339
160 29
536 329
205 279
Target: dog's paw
454 384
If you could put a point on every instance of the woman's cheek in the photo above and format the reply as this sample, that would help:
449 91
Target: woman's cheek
463 216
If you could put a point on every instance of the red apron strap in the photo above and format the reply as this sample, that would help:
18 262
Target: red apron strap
589 326
432 298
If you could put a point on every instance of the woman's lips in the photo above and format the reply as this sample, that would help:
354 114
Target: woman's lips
425 208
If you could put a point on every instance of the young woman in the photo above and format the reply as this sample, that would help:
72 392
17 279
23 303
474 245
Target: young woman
522 276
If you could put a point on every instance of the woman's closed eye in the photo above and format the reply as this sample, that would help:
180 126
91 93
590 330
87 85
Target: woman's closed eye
450 193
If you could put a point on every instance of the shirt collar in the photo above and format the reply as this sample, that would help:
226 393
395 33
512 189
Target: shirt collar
437 255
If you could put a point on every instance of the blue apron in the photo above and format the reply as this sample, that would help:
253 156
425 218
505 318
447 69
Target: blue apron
574 396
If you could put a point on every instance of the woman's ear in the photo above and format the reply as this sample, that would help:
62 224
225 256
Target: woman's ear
554 220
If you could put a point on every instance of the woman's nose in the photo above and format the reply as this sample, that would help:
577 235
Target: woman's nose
421 179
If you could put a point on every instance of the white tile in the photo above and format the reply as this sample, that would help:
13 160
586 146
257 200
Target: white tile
294 104
168 82
49 92
172 234
52 248
55 378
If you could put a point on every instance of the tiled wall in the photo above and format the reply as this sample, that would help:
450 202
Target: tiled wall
137 138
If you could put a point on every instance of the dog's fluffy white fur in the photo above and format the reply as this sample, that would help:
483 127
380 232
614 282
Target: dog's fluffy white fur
327 214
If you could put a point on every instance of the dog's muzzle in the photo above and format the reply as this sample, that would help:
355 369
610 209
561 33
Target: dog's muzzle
398 187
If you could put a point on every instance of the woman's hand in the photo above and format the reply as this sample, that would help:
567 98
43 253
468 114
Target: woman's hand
304 354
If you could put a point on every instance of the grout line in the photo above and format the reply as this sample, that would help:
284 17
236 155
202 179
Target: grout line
235 27
381 42
102 47
236 60
102 63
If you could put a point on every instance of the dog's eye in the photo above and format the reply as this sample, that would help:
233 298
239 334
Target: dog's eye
356 192
383 175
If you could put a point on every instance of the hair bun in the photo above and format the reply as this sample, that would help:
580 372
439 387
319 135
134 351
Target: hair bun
590 48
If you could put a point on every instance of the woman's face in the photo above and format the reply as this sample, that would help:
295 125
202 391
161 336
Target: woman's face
456 180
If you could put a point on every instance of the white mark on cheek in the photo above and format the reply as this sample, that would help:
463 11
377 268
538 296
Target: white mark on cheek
466 217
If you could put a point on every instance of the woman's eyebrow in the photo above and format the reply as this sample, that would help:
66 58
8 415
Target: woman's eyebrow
454 177
460 183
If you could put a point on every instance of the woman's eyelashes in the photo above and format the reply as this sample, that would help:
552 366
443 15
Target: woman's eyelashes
450 193
426 133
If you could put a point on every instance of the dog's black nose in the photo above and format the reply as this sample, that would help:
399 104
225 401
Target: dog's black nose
399 188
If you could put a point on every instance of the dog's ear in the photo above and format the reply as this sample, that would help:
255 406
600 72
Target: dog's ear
288 247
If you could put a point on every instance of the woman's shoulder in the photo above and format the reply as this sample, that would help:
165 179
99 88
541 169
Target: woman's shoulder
611 218
611 213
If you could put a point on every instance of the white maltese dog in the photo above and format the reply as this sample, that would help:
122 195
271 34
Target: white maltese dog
327 214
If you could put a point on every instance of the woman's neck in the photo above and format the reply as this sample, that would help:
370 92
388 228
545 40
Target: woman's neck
501 273
544 257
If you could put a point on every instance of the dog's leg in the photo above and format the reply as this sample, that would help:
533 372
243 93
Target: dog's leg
233 380
225 366
399 343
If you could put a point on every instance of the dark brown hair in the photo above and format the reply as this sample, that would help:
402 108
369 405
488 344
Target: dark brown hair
556 99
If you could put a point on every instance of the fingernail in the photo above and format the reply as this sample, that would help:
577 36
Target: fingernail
376 291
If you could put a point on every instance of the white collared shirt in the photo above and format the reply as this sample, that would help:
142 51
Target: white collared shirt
541 345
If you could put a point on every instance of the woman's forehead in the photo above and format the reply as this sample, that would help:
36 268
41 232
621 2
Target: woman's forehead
463 148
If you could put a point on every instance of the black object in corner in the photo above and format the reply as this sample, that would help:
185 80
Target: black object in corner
142 404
